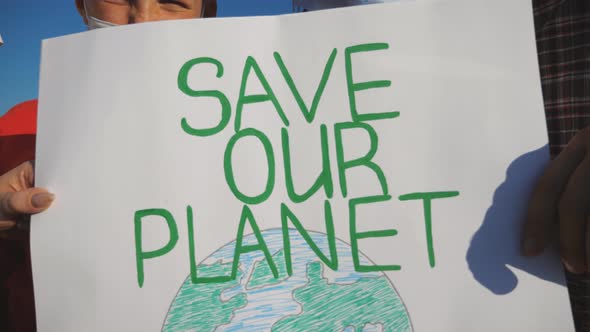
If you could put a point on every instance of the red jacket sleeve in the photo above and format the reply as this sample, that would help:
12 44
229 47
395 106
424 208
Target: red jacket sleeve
17 145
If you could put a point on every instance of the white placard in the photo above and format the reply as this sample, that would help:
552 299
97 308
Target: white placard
417 130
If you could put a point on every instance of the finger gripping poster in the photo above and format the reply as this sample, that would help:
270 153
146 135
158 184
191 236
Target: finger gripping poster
358 169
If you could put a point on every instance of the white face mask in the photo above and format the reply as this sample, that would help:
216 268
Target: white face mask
95 23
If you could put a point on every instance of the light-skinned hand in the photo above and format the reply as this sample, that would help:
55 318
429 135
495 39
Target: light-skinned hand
18 198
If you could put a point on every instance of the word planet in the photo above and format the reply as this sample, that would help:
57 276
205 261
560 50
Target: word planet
313 298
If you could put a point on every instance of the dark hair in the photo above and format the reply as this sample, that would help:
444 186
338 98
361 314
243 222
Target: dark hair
210 8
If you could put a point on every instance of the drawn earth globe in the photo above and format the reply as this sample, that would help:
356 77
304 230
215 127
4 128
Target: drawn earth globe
313 298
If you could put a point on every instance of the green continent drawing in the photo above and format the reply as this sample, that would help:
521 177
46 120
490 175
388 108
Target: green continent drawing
199 307
327 306
313 298
262 276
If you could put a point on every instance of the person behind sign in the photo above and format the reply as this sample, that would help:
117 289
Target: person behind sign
18 197
562 194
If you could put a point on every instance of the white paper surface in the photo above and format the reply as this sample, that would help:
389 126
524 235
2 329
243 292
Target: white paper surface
110 143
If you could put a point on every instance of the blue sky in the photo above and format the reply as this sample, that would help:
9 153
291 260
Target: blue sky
24 23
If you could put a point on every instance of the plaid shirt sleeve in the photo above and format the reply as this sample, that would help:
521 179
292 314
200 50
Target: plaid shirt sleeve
563 46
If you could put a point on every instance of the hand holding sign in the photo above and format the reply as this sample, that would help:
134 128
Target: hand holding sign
562 195
18 197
